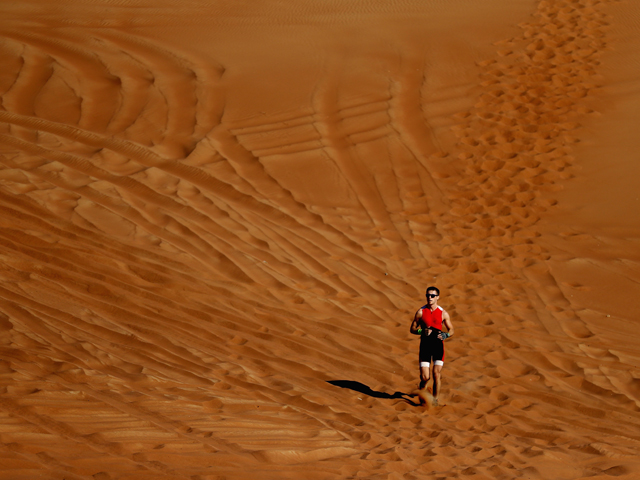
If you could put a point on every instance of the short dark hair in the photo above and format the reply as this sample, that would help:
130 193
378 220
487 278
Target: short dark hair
433 288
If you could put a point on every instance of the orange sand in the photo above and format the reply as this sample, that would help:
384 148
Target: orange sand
219 217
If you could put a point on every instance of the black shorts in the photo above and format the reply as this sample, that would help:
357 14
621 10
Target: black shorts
431 348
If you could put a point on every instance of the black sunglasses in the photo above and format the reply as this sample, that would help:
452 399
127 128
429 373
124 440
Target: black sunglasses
431 295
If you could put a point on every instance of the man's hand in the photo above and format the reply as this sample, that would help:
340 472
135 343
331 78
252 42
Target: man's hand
443 336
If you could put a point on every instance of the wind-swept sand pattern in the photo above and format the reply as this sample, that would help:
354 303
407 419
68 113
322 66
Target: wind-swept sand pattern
217 222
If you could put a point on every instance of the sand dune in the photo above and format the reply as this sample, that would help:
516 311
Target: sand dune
218 220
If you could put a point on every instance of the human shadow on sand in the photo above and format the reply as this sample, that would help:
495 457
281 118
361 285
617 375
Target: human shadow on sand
364 389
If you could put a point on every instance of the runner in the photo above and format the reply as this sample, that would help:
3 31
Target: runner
428 323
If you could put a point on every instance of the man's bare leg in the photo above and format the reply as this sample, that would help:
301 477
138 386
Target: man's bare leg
437 379
422 389
425 375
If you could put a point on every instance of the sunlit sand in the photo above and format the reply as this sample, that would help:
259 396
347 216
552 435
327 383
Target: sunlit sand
218 219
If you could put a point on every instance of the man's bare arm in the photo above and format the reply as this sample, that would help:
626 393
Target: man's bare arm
446 320
415 325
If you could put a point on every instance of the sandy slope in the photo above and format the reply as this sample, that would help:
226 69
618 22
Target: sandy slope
218 219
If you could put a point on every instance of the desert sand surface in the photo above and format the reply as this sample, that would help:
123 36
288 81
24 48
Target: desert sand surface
218 219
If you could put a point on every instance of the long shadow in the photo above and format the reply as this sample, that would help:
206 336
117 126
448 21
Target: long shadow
366 390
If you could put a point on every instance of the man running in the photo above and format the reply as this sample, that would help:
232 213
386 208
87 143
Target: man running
428 323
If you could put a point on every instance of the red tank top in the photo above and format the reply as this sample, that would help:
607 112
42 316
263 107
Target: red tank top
432 319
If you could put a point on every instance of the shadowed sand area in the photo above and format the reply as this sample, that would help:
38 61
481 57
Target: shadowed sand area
218 218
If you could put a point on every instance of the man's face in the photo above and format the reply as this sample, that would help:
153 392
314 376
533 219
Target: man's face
432 297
